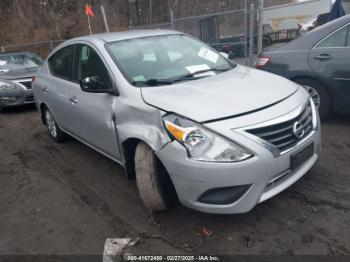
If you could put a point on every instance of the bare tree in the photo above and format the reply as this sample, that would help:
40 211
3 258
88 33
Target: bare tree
54 19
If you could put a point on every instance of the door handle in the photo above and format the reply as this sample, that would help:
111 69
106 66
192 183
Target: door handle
323 57
74 100
45 90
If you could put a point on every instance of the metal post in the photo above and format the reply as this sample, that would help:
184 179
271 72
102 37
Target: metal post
2 49
51 46
251 35
104 18
245 32
89 24
172 19
150 11
260 26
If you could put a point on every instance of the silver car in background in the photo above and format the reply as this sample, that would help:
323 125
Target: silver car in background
16 73
184 121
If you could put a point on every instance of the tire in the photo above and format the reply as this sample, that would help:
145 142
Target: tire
319 94
267 41
55 131
155 187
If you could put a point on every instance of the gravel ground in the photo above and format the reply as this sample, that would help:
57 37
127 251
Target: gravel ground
67 199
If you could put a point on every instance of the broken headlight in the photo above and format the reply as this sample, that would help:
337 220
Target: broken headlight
202 144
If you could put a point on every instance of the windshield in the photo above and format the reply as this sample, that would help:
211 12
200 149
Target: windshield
11 62
165 59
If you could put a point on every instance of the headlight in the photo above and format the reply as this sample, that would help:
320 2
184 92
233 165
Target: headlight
314 114
202 144
6 86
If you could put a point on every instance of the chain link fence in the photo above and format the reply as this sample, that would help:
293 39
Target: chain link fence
40 48
225 31
236 32
231 31
287 17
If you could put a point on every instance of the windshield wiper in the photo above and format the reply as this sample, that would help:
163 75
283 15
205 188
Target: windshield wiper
192 76
153 82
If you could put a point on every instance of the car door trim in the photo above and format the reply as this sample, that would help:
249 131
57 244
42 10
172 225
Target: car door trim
341 79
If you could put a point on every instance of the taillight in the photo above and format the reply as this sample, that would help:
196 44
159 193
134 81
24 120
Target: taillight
262 61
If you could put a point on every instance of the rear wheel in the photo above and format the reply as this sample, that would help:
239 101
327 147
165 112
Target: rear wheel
54 130
155 187
319 95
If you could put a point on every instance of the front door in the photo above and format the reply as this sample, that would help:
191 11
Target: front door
92 118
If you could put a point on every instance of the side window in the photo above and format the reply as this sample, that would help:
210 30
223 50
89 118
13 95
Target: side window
337 39
60 63
88 64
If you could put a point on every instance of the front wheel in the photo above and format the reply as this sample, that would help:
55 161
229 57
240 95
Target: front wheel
319 95
155 187
54 130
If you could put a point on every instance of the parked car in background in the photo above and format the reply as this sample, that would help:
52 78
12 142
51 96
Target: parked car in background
319 61
181 118
16 73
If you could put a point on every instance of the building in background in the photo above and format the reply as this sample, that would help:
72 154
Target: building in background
288 16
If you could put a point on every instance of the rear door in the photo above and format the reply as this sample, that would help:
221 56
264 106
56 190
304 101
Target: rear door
330 59
55 85
91 116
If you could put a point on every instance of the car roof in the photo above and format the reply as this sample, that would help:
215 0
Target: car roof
118 36
309 40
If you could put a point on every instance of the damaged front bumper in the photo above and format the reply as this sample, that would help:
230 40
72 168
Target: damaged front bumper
228 188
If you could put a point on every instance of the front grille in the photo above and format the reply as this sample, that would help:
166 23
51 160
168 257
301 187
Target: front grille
281 135
27 84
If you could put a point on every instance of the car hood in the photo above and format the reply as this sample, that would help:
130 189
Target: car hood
17 74
237 92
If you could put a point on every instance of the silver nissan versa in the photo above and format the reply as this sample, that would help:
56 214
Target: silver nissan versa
184 121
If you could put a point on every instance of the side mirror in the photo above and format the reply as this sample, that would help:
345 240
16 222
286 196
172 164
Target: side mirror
226 55
94 84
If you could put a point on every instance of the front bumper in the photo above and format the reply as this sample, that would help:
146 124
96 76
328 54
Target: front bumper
193 178
18 97
262 176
